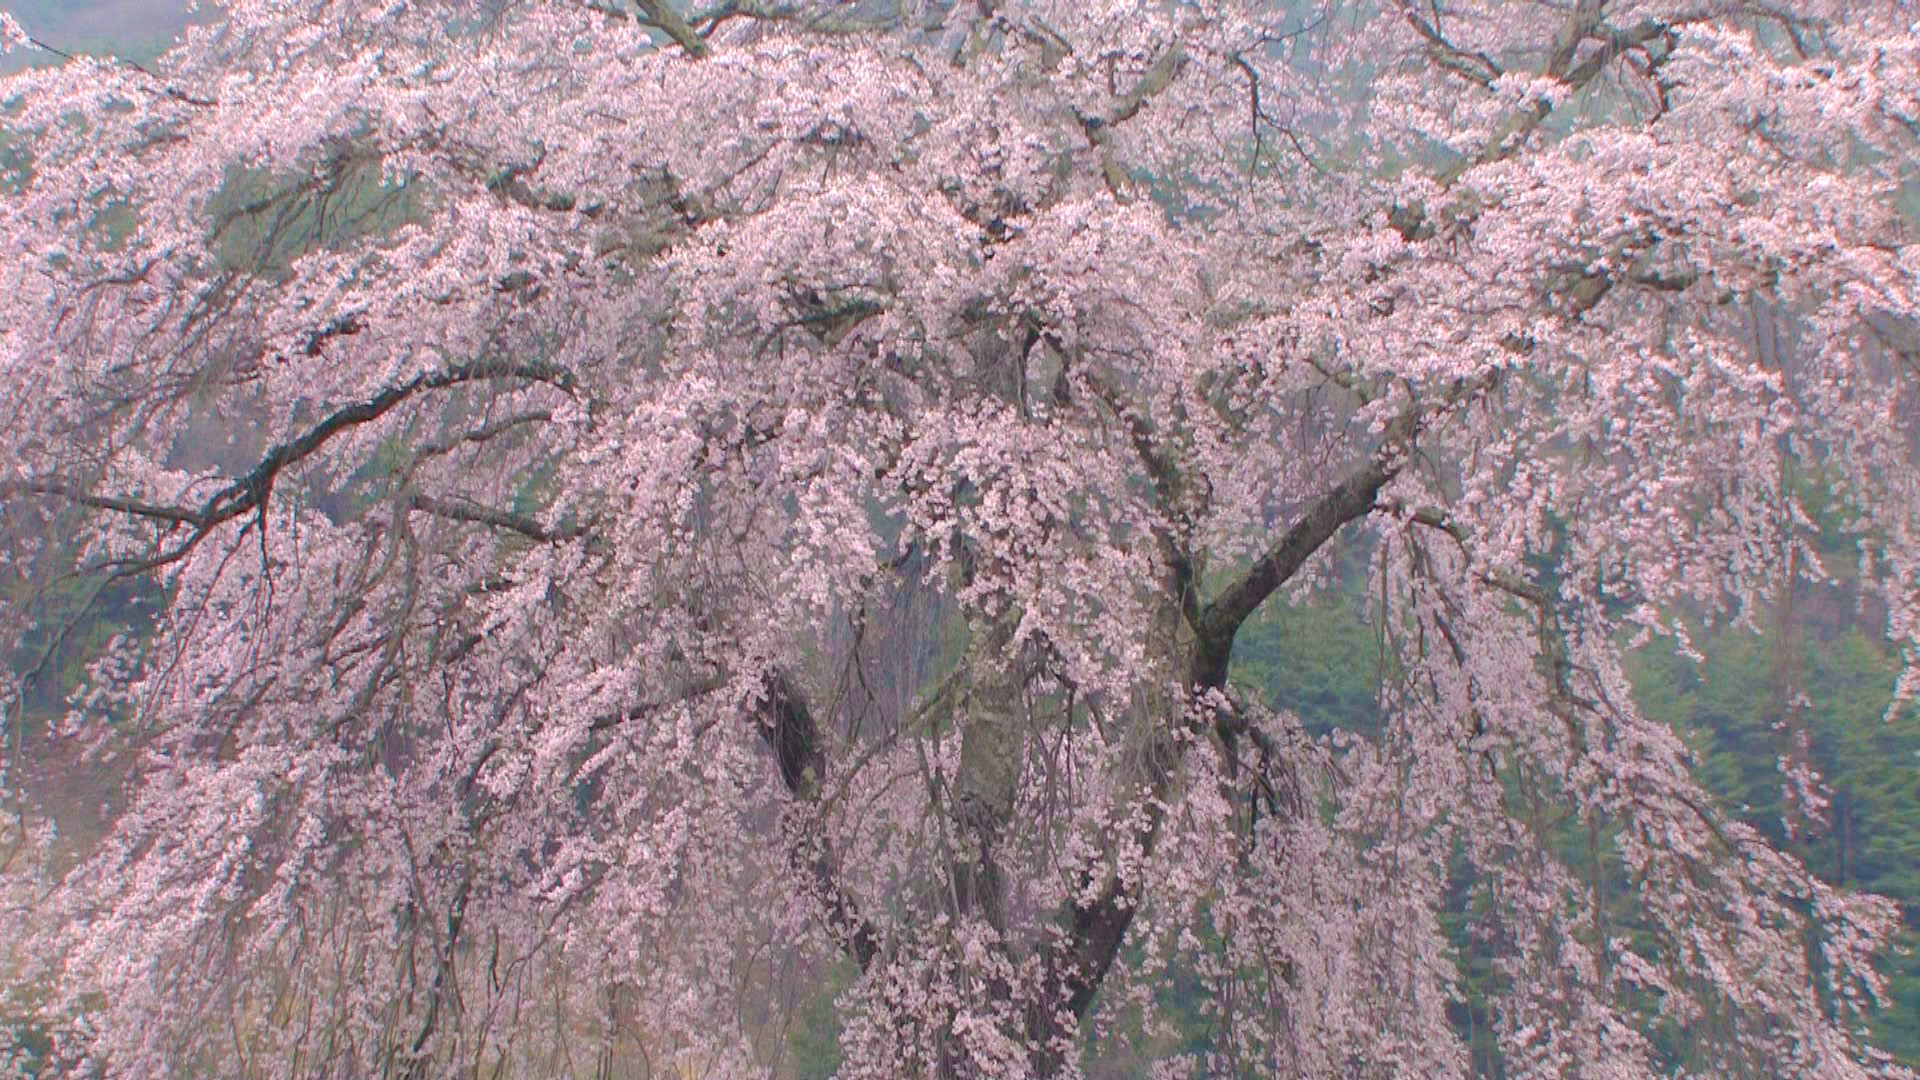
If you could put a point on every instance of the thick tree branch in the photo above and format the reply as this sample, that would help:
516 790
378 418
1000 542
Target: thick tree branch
1477 67
1351 498
463 510
1095 931
1581 26
662 17
992 747
119 504
835 19
251 492
1092 933
661 14
1153 82
1170 489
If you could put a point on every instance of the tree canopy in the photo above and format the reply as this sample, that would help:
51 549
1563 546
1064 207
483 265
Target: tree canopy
641 503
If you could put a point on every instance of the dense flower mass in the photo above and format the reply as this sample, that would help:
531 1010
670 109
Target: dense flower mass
648 505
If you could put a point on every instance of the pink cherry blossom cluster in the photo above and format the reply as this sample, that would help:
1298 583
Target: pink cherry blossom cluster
650 505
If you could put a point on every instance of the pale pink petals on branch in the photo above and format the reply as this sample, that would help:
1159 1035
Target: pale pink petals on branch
652 520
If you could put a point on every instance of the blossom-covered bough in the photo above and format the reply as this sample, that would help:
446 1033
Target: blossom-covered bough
645 502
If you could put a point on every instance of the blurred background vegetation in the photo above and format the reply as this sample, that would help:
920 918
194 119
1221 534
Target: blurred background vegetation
137 30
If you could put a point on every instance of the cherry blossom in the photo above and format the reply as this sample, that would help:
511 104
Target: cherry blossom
646 505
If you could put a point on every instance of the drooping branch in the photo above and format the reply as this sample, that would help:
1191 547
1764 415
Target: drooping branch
156 82
1555 664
